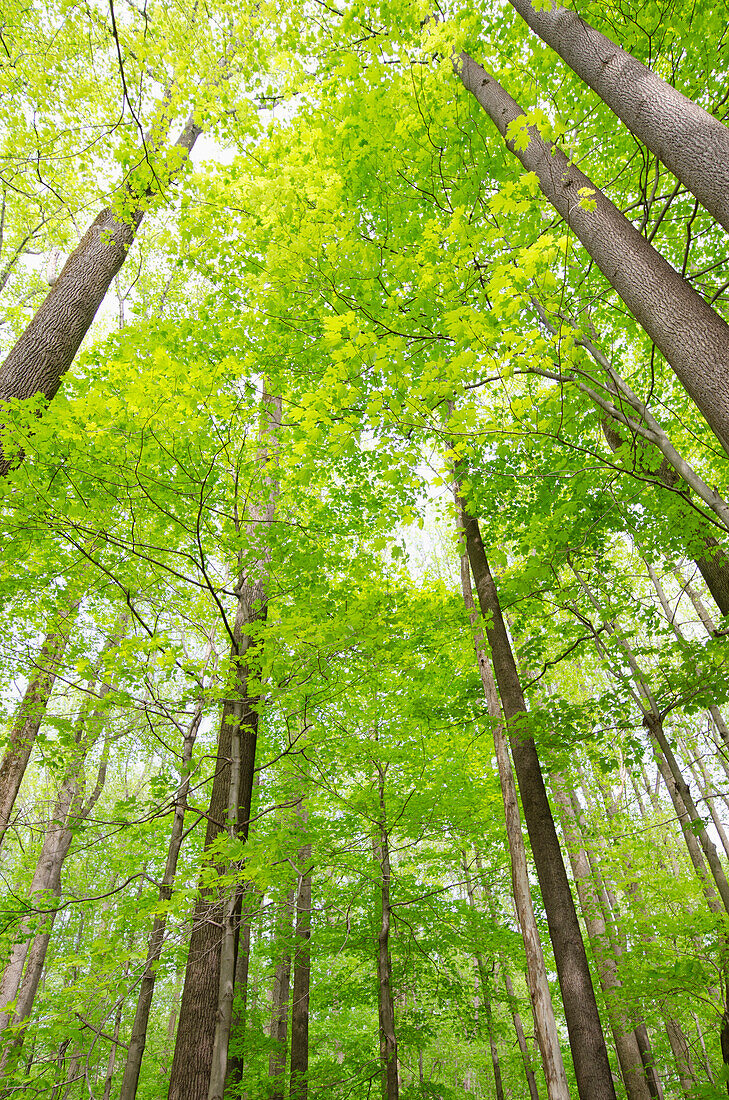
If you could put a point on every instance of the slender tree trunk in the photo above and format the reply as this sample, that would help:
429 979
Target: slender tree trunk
229 942
541 999
236 1057
691 143
526 1056
31 713
23 972
192 1061
281 998
682 1056
138 1038
587 1042
49 344
385 1001
302 972
626 1044
111 1063
702 546
486 997
691 335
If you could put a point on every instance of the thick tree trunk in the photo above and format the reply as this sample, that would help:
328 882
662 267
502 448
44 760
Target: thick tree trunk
693 338
138 1038
541 999
192 1060
691 143
626 1044
385 1000
587 1042
49 344
302 972
31 713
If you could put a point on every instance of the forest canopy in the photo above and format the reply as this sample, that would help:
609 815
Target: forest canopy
364 429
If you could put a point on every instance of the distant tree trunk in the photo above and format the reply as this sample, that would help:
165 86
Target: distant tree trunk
703 547
49 344
302 970
24 969
281 997
111 1063
31 712
626 1044
692 336
682 1056
691 143
484 979
521 1037
236 1057
587 1042
385 1000
541 999
192 1061
138 1037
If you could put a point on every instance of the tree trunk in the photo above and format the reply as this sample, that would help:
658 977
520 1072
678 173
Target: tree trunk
385 1001
31 713
486 997
192 1060
711 559
281 997
302 972
626 1044
587 1042
138 1038
23 972
691 143
521 1038
49 344
682 1056
692 337
543 1011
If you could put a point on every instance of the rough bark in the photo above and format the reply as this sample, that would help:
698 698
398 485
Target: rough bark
138 1037
692 337
31 713
626 1044
48 346
687 139
192 1060
543 1011
302 972
587 1042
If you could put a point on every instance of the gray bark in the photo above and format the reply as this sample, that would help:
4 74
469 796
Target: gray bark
31 713
692 337
687 139
543 1011
192 1060
46 349
138 1037
587 1042
626 1044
